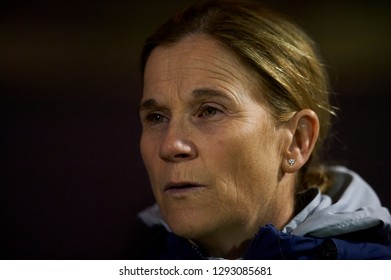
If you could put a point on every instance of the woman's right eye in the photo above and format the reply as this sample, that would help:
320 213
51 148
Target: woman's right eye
154 118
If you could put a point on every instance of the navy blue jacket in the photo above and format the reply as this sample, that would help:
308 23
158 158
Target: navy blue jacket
272 244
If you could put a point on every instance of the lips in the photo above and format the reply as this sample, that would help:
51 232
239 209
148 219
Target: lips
181 187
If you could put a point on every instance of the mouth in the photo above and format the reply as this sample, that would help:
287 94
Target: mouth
181 188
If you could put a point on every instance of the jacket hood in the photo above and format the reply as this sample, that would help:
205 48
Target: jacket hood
349 206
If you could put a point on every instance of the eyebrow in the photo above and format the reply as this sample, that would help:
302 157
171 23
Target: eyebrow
147 104
208 93
200 93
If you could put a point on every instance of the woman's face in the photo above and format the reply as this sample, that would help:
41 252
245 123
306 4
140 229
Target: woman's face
210 148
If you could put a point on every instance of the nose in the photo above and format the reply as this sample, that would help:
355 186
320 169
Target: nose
177 146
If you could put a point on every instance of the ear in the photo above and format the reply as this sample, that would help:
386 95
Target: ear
304 132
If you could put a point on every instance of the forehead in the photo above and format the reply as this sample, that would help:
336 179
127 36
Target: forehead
193 50
196 61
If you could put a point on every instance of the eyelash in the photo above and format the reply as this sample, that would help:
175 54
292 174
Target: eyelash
204 108
156 117
152 118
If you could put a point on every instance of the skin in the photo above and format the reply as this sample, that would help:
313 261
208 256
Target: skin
215 159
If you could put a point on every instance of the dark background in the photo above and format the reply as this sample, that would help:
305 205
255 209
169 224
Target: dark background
72 178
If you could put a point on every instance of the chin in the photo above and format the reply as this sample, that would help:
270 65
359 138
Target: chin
188 226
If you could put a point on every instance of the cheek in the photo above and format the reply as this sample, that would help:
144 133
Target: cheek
149 154
147 149
143 145
228 164
240 157
246 166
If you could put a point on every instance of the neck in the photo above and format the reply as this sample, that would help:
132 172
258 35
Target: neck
227 248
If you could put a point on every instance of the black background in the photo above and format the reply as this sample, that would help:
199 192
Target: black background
72 178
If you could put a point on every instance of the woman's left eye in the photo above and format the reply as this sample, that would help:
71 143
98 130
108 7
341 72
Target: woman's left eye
208 111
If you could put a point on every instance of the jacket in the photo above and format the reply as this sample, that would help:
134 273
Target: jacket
347 222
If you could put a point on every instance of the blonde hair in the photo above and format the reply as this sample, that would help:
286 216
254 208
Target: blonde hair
289 70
